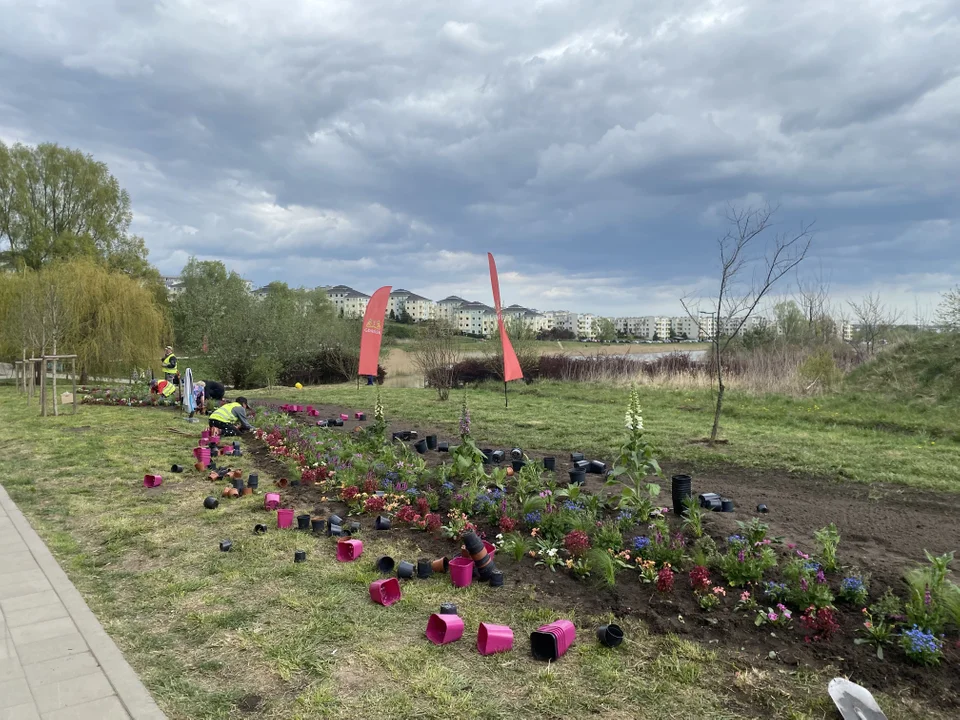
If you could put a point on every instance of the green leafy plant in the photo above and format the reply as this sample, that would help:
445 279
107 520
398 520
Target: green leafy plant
888 606
922 646
932 597
806 584
608 537
780 617
693 517
603 565
579 567
828 539
854 590
516 545
879 633
548 555
745 563
634 465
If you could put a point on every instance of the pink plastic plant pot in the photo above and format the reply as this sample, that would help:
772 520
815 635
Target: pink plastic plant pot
202 454
152 481
284 518
358 415
228 450
491 550
313 412
443 629
271 501
385 592
344 416
461 571
494 638
563 629
349 550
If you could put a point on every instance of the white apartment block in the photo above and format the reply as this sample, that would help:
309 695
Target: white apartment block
448 309
417 307
530 318
845 330
347 301
561 320
475 318
585 328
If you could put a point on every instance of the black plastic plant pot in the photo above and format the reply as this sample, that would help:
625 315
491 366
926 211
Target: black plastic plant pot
381 523
236 446
354 528
550 463
496 579
443 447
610 635
498 456
578 477
361 416
516 454
485 568
259 529
518 465
681 488
413 435
334 530
405 570
253 481
576 457
211 503
707 500
431 442
303 522
226 546
385 564
597 467
487 455
420 446
300 556
176 468
294 483
424 568
761 508
582 465
472 542
238 485
317 525
335 520
448 609
544 646
726 505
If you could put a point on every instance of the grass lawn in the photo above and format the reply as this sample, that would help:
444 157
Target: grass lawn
862 437
210 632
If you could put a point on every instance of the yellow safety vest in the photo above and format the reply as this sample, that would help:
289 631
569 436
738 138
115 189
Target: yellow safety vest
172 370
166 388
224 413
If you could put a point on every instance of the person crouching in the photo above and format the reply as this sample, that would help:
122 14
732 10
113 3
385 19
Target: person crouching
231 418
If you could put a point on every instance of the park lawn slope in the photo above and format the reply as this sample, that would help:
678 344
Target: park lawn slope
858 436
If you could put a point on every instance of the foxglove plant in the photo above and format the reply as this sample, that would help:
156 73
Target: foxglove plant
634 465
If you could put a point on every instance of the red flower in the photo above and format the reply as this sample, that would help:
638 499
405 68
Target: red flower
432 522
369 486
349 493
665 579
405 514
577 542
423 507
507 524
374 504
700 579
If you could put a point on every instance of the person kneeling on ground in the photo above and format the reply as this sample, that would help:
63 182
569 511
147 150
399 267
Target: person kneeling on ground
164 388
212 390
231 418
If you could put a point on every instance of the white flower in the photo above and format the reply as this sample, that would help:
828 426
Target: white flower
551 552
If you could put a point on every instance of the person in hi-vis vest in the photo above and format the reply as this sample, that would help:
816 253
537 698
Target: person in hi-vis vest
169 364
164 388
231 418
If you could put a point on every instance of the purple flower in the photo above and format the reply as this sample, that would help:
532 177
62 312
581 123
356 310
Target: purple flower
741 556
821 578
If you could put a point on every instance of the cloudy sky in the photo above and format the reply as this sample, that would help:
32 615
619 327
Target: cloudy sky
591 145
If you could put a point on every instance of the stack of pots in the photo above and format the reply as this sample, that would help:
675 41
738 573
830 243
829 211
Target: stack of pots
481 553
682 488
549 642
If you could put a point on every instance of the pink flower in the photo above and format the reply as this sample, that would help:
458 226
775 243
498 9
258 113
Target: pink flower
791 546
772 617
745 596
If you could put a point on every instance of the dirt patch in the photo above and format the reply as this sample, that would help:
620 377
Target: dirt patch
884 529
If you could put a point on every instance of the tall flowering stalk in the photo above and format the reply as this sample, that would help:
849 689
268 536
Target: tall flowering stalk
635 464
464 418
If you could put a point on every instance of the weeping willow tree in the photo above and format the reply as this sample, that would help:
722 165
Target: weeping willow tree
108 319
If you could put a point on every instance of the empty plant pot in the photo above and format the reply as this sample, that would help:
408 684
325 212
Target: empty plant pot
405 570
443 629
176 468
431 442
497 456
234 493
489 547
420 446
227 450
578 477
385 592
271 501
610 635
335 520
359 415
709 501
259 529
201 454
494 638
299 556
334 530
726 505
281 483
317 525
284 518
253 481
518 465
681 488
349 550
443 447
344 416
211 503
225 546
440 565
461 571
486 452
761 508
226 491
384 564
448 609
424 568
550 463
381 523
575 457
516 454
238 484
152 481
236 474
550 642
354 528
496 579
303 522
596 467
247 491
199 466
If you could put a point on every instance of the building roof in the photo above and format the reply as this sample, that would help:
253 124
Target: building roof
476 306
408 295
452 299
345 290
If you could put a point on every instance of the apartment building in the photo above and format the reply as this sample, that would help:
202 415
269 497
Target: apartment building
417 307
561 320
474 318
347 301
532 319
173 284
448 308
585 326
845 330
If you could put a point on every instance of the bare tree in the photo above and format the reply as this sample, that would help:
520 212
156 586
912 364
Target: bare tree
737 298
813 297
948 312
437 354
873 321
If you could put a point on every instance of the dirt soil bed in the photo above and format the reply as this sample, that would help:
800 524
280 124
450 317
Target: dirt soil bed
884 530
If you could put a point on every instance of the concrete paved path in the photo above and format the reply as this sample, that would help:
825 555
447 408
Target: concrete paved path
56 661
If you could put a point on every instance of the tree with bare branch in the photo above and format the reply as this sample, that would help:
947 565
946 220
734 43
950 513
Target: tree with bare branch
738 297
873 321
436 355
948 312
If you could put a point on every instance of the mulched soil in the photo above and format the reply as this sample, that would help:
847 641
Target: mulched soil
884 530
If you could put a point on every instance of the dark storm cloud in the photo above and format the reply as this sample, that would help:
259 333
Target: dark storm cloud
592 145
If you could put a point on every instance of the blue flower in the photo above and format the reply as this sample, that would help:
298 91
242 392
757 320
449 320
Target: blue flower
448 486
496 494
624 515
736 540
532 518
919 641
572 506
851 584
774 591
811 566
412 492
641 543
385 484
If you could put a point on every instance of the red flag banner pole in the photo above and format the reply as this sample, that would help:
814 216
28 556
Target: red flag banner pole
511 366
372 333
